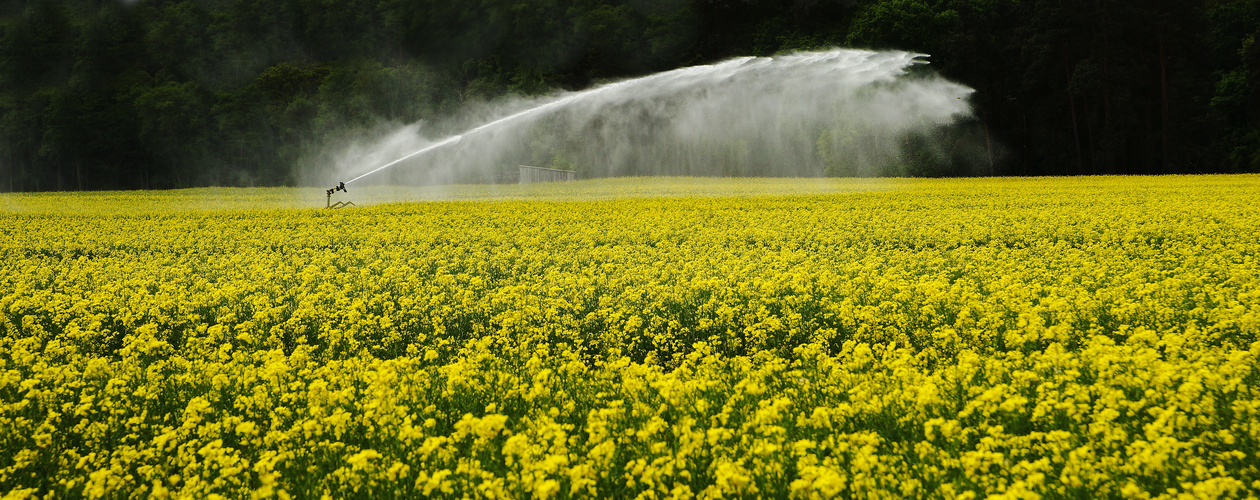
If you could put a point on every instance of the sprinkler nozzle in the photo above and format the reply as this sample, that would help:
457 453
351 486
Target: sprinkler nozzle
341 186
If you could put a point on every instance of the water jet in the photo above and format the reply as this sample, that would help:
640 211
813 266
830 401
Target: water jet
798 114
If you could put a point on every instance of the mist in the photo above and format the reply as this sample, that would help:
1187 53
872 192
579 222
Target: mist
839 112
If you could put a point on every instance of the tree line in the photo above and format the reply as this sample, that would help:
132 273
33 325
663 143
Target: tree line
108 94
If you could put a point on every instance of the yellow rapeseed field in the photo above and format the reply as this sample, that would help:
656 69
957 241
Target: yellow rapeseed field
676 338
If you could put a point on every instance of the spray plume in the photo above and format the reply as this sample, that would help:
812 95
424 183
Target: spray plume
842 111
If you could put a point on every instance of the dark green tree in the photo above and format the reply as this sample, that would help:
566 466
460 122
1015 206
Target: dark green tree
103 94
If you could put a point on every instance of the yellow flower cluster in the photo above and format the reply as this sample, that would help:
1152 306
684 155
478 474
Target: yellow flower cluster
1004 338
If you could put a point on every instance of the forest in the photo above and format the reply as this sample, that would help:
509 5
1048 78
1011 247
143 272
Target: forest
155 94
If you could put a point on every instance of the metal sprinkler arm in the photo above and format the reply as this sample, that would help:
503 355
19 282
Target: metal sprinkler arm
341 186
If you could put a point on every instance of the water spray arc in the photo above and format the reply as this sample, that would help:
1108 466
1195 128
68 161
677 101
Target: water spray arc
789 115
457 138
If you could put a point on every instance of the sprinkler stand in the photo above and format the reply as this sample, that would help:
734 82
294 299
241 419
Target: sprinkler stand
341 186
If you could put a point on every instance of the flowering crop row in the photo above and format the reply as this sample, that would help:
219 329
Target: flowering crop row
1021 338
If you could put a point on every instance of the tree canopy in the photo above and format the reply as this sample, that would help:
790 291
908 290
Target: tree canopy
108 94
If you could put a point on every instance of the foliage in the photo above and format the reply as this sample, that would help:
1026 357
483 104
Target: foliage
1071 338
1064 86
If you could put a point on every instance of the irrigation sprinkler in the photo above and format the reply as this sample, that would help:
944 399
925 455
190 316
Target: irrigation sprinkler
341 186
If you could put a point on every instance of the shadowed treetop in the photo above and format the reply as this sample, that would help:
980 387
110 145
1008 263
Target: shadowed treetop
106 94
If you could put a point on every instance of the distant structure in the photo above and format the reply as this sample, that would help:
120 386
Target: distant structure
530 175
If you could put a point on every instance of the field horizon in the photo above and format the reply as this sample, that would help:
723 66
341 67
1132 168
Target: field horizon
609 188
